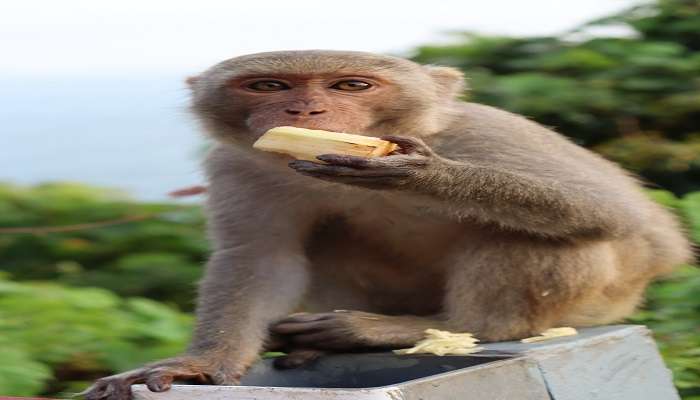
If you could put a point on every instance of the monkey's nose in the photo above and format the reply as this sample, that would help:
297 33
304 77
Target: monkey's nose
305 113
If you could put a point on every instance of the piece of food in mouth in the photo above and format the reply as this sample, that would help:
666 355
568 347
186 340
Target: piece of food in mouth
551 334
444 343
307 144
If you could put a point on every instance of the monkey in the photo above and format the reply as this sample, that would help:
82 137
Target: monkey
481 221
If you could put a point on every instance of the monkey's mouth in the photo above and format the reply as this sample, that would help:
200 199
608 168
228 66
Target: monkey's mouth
310 124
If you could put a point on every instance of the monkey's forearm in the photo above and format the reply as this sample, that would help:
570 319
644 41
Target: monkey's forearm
242 293
520 201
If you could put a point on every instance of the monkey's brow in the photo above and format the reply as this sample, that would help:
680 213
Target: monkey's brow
309 75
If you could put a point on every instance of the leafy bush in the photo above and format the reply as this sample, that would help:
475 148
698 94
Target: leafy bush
672 309
634 99
673 314
159 256
56 338
637 91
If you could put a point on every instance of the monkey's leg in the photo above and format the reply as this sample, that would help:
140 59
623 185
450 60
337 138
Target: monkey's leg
353 330
509 287
500 289
243 291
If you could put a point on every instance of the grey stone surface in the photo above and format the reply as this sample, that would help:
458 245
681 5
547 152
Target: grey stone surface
612 362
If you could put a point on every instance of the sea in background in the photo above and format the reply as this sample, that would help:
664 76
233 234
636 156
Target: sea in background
129 133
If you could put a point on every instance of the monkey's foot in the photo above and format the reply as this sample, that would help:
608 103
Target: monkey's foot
297 358
351 330
159 376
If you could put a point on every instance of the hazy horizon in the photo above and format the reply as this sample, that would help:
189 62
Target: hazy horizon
93 91
132 134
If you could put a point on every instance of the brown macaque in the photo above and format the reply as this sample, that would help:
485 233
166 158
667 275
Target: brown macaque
483 221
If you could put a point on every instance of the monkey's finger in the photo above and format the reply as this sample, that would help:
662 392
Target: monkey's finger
395 162
326 339
223 377
159 382
116 387
308 167
119 386
344 160
98 391
121 390
305 317
297 358
275 342
291 328
408 145
311 167
310 339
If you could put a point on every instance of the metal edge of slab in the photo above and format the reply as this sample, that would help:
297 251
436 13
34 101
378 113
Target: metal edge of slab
532 354
517 377
479 378
210 392
621 366
586 336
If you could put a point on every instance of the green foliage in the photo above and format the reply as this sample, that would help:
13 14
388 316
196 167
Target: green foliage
667 20
56 336
673 313
20 375
672 309
50 332
83 303
159 257
622 94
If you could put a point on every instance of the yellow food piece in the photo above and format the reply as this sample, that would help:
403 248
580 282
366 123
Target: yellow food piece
306 144
551 334
443 342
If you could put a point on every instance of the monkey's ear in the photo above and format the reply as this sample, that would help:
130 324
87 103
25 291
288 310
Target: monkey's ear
449 80
191 80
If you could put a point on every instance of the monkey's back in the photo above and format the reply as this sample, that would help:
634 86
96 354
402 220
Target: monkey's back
496 137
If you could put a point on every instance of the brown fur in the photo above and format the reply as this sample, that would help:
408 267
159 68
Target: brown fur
490 224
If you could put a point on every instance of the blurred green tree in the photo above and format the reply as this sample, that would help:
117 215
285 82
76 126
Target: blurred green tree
624 96
57 336
159 255
56 339
634 98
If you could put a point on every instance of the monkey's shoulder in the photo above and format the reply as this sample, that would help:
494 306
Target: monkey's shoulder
482 122
491 134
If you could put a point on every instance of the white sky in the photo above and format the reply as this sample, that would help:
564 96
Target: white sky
98 83
172 36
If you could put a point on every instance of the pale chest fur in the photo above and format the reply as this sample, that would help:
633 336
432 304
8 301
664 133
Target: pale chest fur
392 252
402 226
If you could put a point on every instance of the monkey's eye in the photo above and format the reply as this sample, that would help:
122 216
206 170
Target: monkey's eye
351 85
268 86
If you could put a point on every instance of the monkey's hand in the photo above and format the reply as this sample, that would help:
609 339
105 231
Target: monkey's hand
160 375
401 168
343 330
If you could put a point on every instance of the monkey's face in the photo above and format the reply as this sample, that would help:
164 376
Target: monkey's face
334 102
361 93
